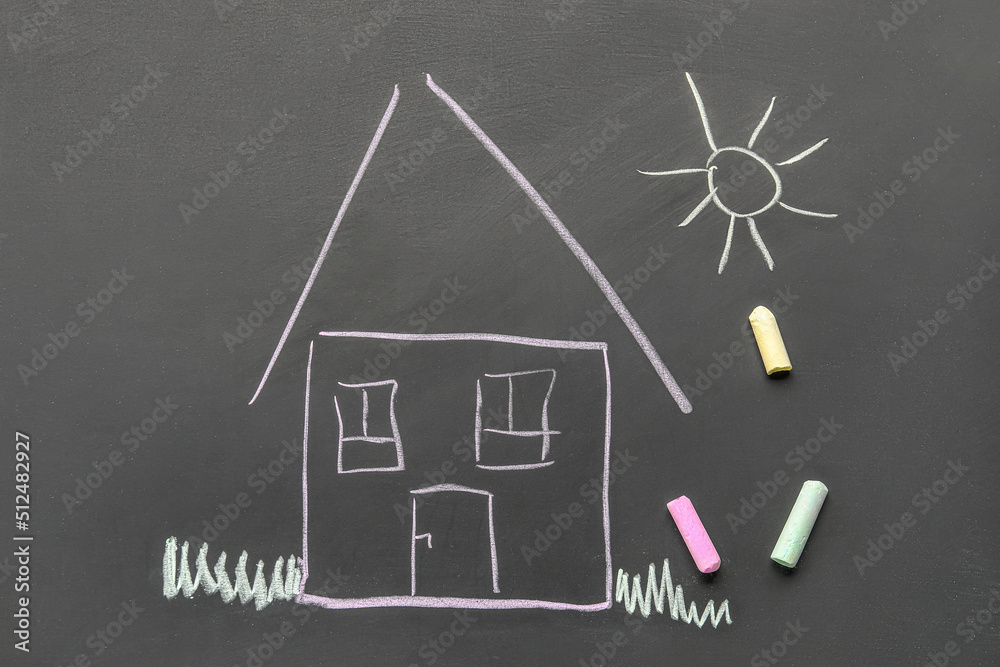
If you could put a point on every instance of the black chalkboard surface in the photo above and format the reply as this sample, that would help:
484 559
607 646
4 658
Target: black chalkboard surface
351 333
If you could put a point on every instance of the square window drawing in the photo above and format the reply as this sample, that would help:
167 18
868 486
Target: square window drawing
532 390
367 452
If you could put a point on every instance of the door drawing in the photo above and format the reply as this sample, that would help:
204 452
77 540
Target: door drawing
453 550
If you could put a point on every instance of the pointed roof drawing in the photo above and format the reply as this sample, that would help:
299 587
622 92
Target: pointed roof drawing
529 190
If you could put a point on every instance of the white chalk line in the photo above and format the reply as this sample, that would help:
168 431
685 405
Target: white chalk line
479 417
546 440
433 602
672 172
450 487
304 562
729 243
699 208
701 110
602 282
487 337
510 402
607 479
760 243
493 545
413 546
804 212
806 152
340 434
516 466
519 373
329 237
763 122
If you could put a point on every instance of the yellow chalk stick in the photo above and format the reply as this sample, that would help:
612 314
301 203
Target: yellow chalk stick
772 348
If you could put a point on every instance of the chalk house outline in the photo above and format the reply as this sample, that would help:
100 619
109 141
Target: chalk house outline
597 594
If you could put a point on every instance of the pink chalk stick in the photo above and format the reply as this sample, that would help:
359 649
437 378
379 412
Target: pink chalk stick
695 537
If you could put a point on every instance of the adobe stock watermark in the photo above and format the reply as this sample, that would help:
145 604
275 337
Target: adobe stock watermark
31 26
959 298
412 159
587 153
363 34
973 625
564 10
248 149
409 162
605 652
626 288
698 43
463 450
138 435
562 522
793 633
438 644
259 480
708 375
914 169
292 281
271 642
419 321
796 459
106 635
121 108
6 569
86 311
901 13
225 7
926 500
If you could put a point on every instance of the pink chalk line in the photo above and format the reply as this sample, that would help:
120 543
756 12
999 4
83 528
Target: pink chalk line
329 237
581 254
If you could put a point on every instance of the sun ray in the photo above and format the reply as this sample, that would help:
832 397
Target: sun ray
804 212
760 243
673 172
701 110
763 121
722 205
699 208
729 242
808 151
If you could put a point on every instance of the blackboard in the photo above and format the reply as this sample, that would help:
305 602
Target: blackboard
467 175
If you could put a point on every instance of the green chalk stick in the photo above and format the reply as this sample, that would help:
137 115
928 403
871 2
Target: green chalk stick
800 523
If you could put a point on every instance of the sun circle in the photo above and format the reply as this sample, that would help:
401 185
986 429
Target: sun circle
727 152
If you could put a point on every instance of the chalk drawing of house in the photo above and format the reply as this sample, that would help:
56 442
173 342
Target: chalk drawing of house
475 472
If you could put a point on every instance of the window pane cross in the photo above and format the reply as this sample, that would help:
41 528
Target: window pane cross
544 433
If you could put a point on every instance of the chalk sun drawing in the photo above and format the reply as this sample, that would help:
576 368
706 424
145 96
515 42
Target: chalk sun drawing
713 195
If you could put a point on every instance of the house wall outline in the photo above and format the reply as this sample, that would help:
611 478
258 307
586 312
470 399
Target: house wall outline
414 600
